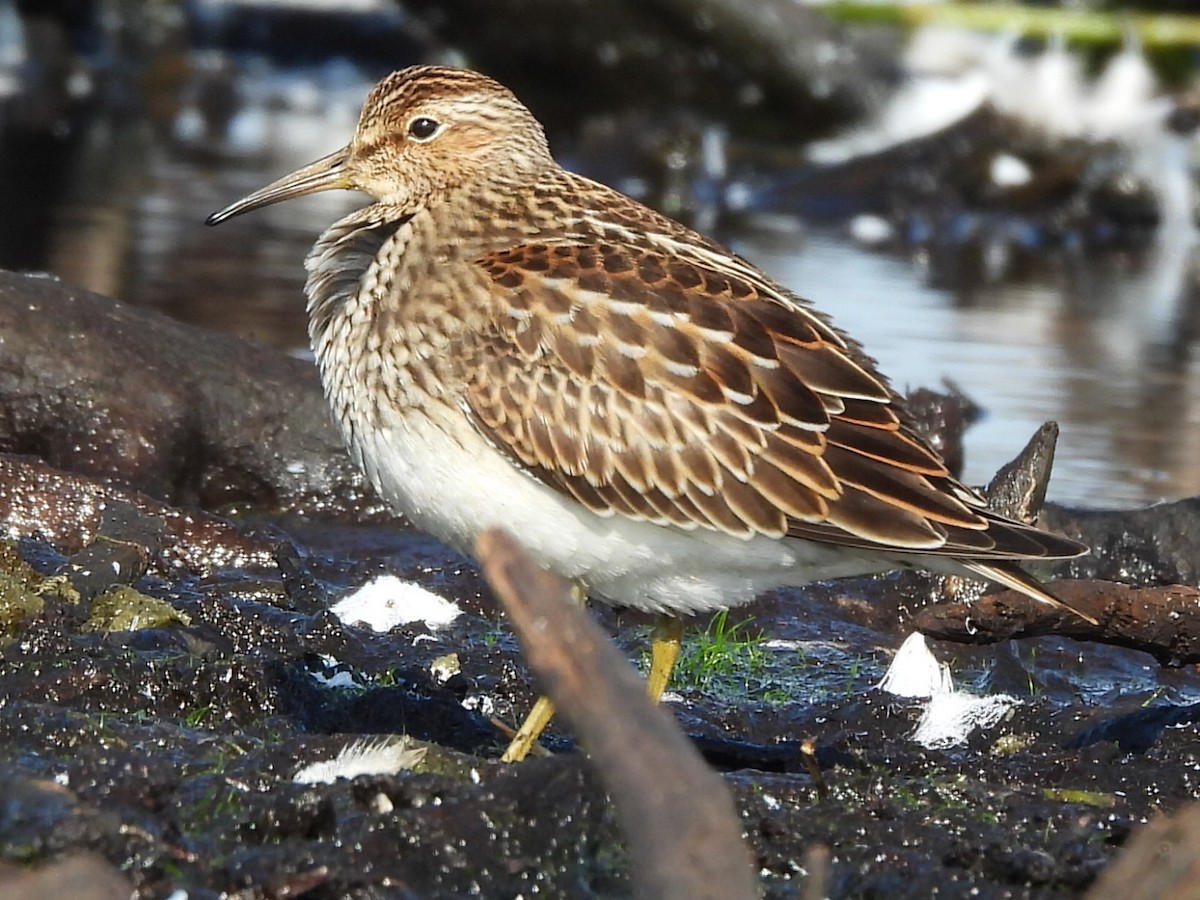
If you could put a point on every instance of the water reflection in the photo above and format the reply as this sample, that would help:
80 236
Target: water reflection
1107 350
1027 353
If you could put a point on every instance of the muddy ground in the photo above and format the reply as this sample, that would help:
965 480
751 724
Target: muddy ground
170 750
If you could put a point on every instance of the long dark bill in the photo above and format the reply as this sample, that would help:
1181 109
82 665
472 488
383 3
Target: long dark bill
326 174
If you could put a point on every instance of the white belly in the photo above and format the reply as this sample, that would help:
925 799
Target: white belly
456 485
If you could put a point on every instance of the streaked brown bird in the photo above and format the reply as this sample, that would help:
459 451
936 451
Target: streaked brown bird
508 344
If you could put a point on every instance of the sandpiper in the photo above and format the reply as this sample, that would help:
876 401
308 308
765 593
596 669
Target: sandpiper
508 344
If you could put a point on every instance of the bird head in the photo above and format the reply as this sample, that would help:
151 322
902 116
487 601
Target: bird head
424 131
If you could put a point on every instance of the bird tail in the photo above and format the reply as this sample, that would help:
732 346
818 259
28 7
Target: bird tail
1013 577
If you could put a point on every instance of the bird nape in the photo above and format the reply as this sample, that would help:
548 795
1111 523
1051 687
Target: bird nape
507 344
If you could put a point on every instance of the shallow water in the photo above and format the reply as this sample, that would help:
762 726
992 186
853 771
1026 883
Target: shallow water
1104 349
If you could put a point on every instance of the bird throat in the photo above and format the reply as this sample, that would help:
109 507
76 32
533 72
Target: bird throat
338 263
385 321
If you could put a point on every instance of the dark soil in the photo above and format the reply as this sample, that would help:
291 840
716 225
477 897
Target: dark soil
170 750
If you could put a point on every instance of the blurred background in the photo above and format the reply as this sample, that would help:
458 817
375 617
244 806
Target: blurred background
995 195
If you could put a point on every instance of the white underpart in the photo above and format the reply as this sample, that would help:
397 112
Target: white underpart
453 485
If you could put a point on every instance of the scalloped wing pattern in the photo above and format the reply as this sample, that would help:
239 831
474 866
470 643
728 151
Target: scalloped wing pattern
671 389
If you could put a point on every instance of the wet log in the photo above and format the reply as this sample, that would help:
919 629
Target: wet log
1163 621
684 835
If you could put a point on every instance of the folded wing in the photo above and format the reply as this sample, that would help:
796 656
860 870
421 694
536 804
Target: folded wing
678 386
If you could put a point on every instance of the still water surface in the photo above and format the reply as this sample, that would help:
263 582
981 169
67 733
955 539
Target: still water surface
1103 367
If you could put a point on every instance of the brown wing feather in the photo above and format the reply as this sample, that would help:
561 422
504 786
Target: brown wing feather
669 383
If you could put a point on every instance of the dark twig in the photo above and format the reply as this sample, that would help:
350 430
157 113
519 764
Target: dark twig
1163 621
684 836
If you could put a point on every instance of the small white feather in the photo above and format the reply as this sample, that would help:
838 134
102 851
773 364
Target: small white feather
915 671
387 601
950 718
365 756
950 715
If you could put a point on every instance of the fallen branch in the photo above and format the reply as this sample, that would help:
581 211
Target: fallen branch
684 835
1162 861
1163 621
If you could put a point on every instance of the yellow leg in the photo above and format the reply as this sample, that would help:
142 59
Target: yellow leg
664 650
531 729
543 709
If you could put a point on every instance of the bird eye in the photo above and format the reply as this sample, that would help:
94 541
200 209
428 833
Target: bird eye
423 128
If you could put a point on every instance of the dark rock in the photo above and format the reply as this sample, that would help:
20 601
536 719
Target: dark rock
1135 732
937 192
1016 491
1159 544
753 65
187 415
943 417
102 524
